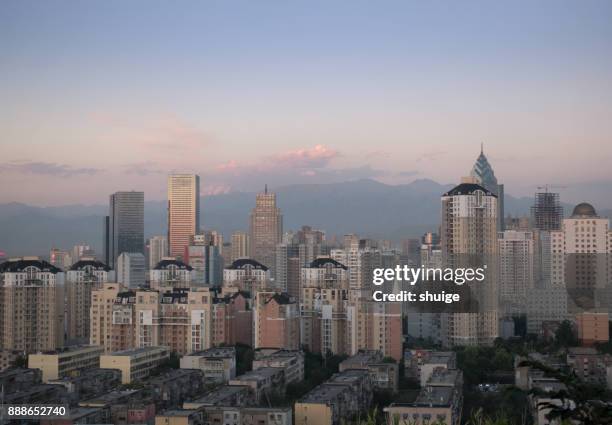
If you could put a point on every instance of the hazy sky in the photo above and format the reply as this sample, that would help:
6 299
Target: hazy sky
102 96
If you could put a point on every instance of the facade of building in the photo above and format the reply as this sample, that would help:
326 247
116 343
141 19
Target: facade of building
276 319
65 362
218 363
135 364
183 211
246 275
291 361
31 305
131 269
170 273
241 246
469 239
158 249
83 276
266 228
205 257
125 231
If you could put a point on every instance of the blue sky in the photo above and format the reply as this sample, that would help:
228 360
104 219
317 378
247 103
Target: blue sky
108 95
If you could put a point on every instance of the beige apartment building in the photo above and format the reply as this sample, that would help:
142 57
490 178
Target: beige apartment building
135 364
180 319
276 320
82 278
31 305
65 362
469 240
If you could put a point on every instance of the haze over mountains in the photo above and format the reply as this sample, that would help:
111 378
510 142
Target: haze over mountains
366 207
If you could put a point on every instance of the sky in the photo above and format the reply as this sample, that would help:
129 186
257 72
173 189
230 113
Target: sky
102 96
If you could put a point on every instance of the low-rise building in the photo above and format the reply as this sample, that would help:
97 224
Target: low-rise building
113 398
135 364
225 395
291 361
180 417
218 364
437 359
589 365
264 382
171 388
89 383
343 396
432 404
133 413
65 362
8 358
248 415
384 375
81 415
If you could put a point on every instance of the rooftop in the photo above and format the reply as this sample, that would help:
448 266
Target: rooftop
215 352
324 393
136 351
167 262
435 396
241 263
322 262
17 265
468 189
259 374
85 262
220 394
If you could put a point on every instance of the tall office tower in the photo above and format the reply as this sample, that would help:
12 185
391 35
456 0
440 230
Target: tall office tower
516 271
204 255
324 297
60 258
31 305
183 211
483 174
170 273
131 269
246 275
468 238
547 211
276 319
82 278
284 252
158 249
241 246
125 229
411 250
101 315
266 228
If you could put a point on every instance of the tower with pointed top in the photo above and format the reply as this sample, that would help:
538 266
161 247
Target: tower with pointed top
482 173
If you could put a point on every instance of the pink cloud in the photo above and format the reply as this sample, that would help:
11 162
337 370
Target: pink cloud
317 157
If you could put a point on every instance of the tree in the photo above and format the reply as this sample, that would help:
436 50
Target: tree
565 336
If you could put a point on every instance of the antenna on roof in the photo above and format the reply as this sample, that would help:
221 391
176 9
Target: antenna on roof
266 188
481 148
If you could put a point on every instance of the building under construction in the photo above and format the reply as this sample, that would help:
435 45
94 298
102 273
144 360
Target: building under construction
547 212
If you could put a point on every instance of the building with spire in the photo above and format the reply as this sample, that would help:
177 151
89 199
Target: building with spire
482 173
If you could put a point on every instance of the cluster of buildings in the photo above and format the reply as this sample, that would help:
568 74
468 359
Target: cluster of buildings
193 294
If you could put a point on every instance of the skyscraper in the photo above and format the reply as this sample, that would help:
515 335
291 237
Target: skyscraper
469 239
483 174
183 211
241 246
547 211
131 269
266 228
125 229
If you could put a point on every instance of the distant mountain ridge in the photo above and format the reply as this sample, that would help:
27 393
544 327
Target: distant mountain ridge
366 207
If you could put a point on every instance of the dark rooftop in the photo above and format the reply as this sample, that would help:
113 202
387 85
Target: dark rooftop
243 262
322 262
468 189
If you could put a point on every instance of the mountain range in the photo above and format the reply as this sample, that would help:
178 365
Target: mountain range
366 207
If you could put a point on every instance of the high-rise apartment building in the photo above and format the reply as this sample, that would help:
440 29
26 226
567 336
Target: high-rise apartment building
241 246
468 238
246 275
324 301
60 258
158 249
516 271
125 230
183 211
83 276
266 228
31 305
276 319
125 319
170 273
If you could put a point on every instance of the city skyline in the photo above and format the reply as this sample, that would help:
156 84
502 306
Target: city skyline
403 92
